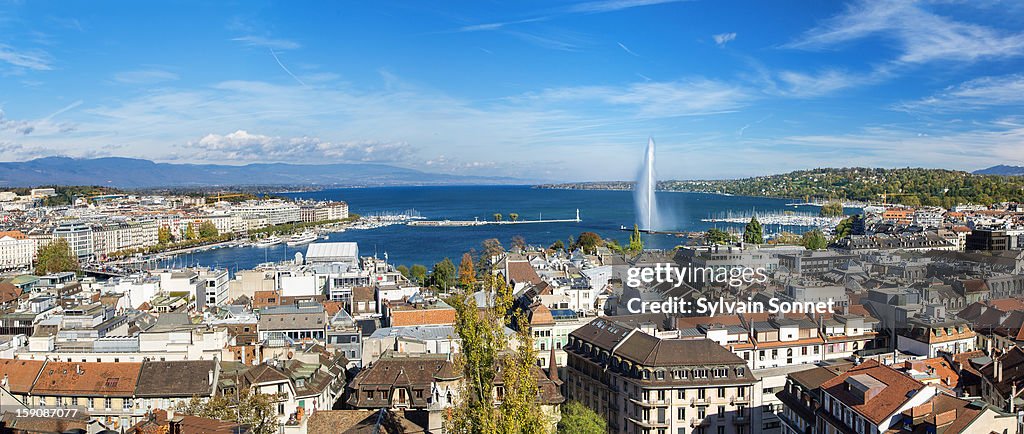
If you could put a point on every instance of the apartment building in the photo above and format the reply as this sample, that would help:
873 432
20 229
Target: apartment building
122 235
79 238
276 211
642 384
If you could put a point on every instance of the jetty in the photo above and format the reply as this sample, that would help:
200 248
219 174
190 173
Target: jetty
478 222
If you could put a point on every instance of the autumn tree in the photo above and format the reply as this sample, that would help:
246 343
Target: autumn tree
491 248
163 235
56 257
497 216
753 233
484 351
467 275
257 410
403 270
580 419
190 232
513 216
518 242
588 242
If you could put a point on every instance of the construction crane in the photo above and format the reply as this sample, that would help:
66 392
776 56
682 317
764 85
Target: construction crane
221 196
885 196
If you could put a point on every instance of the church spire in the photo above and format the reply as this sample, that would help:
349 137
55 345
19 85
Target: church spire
553 368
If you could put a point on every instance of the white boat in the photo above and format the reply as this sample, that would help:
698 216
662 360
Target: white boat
269 241
300 239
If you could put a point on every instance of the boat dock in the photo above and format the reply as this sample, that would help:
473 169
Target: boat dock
478 222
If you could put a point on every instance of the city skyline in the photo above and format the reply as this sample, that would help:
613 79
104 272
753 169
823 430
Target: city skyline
565 91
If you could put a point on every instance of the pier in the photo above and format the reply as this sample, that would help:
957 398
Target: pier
478 222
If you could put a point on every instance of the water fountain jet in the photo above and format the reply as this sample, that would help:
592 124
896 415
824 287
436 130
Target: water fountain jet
643 193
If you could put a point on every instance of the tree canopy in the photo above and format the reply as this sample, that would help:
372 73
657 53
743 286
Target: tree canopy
753 233
56 257
814 240
580 419
254 409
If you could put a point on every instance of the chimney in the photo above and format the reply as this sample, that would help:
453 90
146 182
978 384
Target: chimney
998 371
210 376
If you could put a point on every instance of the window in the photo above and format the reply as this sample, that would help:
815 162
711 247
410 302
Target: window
369 394
107 403
721 392
701 394
721 412
681 413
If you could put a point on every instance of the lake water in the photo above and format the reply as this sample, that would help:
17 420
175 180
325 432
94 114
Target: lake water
602 212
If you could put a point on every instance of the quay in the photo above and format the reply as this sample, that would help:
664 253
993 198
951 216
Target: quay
478 222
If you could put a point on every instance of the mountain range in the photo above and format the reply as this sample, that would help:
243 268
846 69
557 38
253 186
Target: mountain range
1001 170
139 173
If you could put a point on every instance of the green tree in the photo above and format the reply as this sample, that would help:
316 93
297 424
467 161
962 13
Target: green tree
403 270
588 242
190 232
718 236
208 230
845 227
418 273
513 216
832 209
497 216
580 419
163 235
753 233
636 243
557 245
814 240
787 238
443 275
484 350
257 410
56 257
467 275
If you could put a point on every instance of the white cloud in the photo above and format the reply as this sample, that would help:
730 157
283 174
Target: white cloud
803 85
145 76
242 146
979 93
921 35
724 38
26 59
271 43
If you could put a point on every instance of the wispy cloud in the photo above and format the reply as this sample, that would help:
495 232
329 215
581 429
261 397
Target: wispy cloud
27 59
626 49
807 85
499 25
145 76
921 35
692 97
979 93
724 38
614 5
271 43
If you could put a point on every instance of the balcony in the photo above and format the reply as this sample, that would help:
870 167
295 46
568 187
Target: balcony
696 422
741 419
695 401
739 400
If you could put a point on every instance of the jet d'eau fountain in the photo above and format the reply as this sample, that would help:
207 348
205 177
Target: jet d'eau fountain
643 193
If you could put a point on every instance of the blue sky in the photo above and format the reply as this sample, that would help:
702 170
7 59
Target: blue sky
533 89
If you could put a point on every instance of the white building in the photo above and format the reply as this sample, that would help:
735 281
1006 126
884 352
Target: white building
79 238
276 211
16 252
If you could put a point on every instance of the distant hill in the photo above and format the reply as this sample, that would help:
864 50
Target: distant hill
1001 169
910 186
138 173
